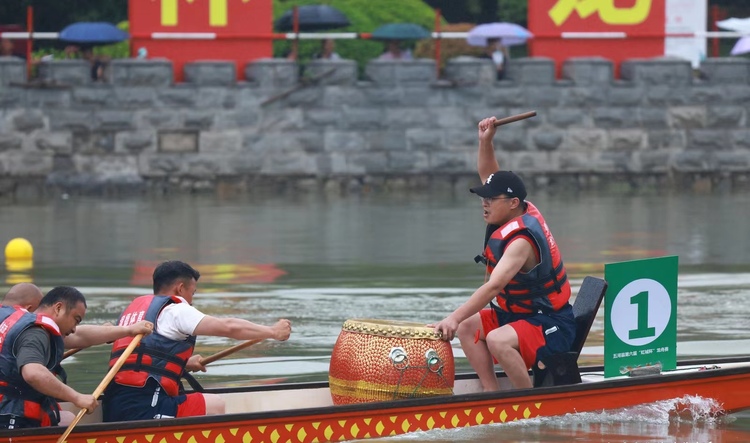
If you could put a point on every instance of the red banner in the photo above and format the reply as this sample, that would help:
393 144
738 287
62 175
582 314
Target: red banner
634 29
234 24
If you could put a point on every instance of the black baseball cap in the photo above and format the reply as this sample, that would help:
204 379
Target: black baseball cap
502 183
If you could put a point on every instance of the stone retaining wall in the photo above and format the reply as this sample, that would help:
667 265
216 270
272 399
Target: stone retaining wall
659 125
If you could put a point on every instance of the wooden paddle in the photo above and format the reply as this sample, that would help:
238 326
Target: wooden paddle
232 350
514 118
70 352
103 385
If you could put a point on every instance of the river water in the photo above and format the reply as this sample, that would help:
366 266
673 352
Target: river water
319 260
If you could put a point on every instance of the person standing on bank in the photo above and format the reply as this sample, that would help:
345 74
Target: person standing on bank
532 317
148 385
31 349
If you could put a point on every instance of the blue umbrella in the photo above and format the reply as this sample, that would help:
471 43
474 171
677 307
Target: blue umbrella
400 31
93 33
313 18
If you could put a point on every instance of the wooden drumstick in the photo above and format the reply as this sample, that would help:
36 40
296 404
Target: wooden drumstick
514 118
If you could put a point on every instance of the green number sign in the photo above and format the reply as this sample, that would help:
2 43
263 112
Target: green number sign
640 315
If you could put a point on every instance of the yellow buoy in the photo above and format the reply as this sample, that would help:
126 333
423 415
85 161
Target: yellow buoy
19 249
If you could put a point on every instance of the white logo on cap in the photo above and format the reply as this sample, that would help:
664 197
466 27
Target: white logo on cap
489 179
510 190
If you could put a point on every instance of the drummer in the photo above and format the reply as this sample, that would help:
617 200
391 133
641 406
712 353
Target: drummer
532 317
148 384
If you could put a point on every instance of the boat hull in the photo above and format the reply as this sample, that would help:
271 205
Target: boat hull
729 385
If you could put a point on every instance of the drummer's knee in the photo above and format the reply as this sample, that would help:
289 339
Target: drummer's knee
214 404
469 327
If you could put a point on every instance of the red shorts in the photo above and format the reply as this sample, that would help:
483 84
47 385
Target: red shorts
194 405
530 337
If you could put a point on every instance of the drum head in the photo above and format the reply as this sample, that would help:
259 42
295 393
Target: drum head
390 328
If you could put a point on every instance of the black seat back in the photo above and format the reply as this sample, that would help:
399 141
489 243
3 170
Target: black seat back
562 369
585 307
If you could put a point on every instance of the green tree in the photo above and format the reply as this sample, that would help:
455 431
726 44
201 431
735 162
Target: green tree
365 16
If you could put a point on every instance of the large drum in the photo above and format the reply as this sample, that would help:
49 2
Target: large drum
379 360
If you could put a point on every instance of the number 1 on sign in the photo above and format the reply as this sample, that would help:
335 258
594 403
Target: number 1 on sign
643 330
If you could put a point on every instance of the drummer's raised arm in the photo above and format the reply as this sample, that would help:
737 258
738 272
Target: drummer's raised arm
486 160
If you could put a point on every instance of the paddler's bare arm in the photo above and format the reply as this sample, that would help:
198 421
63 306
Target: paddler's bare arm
513 260
486 159
90 335
42 380
240 329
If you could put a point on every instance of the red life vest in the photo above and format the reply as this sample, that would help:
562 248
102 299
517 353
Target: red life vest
156 356
17 397
546 287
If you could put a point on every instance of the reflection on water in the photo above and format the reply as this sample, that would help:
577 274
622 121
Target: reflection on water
320 261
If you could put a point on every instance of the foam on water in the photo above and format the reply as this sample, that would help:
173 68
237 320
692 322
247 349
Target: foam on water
691 417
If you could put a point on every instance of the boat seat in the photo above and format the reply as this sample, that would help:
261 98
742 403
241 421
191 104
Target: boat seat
562 369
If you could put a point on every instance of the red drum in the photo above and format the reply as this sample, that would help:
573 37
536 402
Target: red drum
379 360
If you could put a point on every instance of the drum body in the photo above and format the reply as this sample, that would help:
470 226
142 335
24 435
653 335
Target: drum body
380 360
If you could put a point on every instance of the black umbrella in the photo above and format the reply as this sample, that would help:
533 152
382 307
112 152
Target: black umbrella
313 18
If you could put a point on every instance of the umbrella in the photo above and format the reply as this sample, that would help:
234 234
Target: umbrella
93 33
313 18
509 34
400 31
735 24
741 47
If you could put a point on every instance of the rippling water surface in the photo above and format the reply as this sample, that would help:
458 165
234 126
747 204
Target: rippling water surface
320 261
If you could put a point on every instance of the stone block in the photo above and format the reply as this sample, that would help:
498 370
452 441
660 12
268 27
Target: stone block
220 142
272 73
135 142
708 140
12 70
178 141
211 73
28 164
457 162
399 72
725 116
65 72
97 96
727 70
740 138
666 139
687 161
54 142
331 72
367 162
612 117
626 139
652 118
10 141
136 72
658 161
28 120
410 162
291 163
345 141
663 71
465 71
687 117
547 140
93 142
588 71
584 140
532 71
138 97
